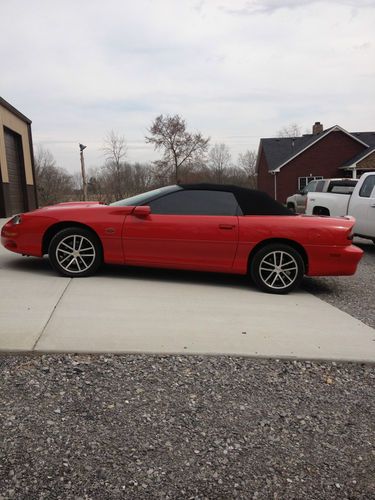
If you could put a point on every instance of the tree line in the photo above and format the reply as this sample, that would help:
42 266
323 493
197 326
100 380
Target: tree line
186 157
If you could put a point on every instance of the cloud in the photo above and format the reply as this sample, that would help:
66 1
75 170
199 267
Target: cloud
270 6
80 69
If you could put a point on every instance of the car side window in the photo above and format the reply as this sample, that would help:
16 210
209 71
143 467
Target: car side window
196 202
367 187
319 186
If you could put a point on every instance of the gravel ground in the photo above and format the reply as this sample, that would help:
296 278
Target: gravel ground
108 427
113 427
352 294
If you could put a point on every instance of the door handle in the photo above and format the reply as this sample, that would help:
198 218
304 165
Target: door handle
226 226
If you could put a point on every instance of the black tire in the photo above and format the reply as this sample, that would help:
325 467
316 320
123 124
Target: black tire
279 276
84 260
291 207
321 211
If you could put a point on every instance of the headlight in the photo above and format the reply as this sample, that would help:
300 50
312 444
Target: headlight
17 219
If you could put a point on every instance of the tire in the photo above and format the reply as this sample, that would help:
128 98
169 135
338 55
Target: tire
266 268
291 207
321 211
75 252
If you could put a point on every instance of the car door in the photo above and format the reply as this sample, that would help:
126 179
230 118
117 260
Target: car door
362 207
187 229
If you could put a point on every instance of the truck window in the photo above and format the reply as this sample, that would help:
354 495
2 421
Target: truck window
319 186
367 187
310 187
343 183
342 189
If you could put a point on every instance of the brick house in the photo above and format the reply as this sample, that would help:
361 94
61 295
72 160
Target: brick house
286 164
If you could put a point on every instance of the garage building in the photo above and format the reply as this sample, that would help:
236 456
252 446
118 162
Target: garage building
17 175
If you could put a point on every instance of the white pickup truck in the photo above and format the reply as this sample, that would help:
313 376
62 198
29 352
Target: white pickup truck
297 202
360 204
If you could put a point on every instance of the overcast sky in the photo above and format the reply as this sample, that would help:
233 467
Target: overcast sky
236 70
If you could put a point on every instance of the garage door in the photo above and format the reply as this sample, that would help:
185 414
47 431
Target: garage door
15 172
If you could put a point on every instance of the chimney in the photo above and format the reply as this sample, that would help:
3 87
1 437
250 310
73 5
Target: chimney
317 128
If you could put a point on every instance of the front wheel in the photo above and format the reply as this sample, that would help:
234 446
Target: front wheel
75 252
277 268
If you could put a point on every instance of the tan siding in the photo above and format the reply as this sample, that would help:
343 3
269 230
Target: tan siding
7 119
368 162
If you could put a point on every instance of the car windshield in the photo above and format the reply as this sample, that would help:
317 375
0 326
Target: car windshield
141 199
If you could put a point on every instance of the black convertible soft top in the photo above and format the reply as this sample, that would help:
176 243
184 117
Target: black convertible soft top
251 201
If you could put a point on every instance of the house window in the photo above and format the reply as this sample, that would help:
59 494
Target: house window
303 181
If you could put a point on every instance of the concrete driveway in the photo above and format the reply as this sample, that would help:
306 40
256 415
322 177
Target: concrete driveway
155 311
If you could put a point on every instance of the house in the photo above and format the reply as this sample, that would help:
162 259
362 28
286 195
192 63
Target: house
17 177
286 164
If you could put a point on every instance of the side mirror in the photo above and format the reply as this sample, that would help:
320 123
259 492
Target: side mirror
142 211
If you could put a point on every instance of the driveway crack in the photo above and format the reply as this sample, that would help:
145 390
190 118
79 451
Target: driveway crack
50 316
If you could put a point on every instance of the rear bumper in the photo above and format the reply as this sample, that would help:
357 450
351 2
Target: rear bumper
333 261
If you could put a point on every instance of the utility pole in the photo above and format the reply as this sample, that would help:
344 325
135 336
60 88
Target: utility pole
84 180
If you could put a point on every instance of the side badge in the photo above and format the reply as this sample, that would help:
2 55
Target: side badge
109 230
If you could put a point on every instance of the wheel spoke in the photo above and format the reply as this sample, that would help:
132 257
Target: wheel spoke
271 266
289 269
85 249
281 278
64 251
269 276
281 258
275 278
70 263
65 258
287 263
286 276
79 267
66 245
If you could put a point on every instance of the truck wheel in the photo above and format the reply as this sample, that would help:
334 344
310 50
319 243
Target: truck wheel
321 211
291 207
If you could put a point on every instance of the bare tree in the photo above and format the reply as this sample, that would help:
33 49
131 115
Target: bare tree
247 163
219 159
115 151
291 130
180 148
53 183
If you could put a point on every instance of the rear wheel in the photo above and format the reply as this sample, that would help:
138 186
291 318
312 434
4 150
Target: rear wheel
75 252
277 268
321 211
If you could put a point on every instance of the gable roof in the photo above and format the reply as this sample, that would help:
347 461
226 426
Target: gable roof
14 111
360 156
281 150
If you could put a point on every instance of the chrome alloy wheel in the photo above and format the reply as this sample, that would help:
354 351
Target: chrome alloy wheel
278 269
75 253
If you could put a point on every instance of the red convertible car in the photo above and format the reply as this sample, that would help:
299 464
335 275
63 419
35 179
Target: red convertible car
201 227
